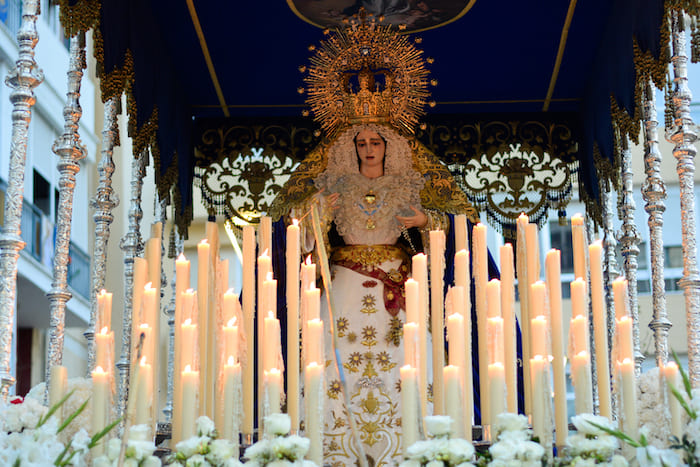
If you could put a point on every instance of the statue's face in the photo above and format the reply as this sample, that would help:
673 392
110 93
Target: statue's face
370 149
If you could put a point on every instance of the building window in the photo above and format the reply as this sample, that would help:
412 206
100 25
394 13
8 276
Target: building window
673 256
560 237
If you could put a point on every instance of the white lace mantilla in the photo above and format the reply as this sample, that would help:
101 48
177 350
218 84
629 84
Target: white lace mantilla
367 207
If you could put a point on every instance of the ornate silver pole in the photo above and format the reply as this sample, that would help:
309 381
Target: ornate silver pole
683 136
629 240
70 151
610 272
131 244
22 79
104 201
176 245
654 193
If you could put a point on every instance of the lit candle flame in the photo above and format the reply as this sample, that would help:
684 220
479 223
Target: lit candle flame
104 330
232 322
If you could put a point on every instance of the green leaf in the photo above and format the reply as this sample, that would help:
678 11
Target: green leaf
98 436
72 416
59 460
617 434
52 410
681 400
684 375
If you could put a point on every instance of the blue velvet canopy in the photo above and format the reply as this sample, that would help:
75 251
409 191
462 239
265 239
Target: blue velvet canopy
496 58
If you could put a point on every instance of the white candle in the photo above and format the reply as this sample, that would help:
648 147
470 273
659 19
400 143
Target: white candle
232 382
600 326
553 275
538 369
419 271
524 290
620 297
271 343
313 303
182 287
629 397
230 305
293 255
509 326
460 223
100 403
410 344
104 310
230 336
313 383
203 323
273 386
497 388
314 345
672 379
437 309
583 390
187 344
412 297
625 349
104 343
538 332
190 389
452 376
458 360
264 268
578 297
140 280
266 233
463 281
409 406
480 271
248 291
494 333
144 393
579 246
493 298
579 334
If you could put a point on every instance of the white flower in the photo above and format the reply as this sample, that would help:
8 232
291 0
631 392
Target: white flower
220 451
130 463
205 427
650 456
438 425
81 440
510 422
257 451
114 446
410 463
618 461
192 446
197 460
151 461
278 424
460 450
102 461
279 463
584 426
139 432
306 463
434 463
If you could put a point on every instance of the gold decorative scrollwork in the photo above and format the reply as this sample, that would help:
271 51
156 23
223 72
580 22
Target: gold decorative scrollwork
507 168
240 167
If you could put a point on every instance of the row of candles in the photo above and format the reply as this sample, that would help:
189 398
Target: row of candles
214 358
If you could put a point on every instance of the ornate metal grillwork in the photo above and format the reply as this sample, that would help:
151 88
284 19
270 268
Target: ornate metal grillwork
507 168
241 167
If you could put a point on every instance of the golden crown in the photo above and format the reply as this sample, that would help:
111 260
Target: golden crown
366 73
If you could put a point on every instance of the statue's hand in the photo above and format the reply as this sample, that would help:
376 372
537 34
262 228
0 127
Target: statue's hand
418 219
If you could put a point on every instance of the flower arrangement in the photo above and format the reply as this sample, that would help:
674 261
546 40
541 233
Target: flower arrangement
513 443
138 453
31 434
204 449
592 443
439 450
278 448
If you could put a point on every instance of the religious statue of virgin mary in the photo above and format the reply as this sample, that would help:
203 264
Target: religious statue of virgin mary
379 192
